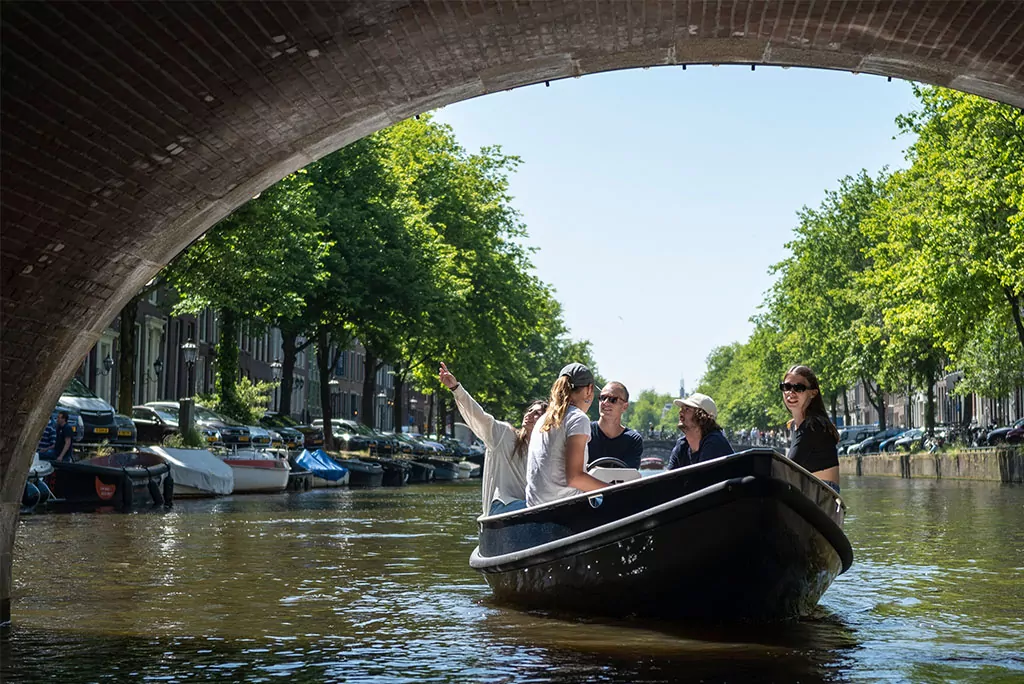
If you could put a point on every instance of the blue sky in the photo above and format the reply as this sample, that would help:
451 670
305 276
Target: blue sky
659 198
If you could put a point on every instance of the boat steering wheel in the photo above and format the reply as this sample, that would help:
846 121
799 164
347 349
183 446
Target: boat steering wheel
606 461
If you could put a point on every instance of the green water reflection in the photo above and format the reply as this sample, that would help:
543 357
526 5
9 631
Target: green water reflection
374 585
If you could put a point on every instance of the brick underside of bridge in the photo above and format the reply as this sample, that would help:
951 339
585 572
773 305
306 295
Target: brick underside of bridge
128 129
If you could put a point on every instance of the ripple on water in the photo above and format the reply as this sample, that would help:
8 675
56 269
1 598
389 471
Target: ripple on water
374 585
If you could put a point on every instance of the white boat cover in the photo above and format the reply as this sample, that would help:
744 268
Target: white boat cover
199 469
39 467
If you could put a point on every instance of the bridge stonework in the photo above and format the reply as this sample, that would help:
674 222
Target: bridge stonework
128 129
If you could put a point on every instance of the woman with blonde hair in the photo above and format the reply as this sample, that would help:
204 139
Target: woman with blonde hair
504 475
556 465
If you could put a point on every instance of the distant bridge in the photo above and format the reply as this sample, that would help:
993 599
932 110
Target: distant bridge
662 448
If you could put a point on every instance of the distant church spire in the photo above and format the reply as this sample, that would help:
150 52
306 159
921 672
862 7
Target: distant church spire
682 387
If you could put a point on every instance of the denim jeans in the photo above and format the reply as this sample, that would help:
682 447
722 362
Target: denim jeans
498 507
833 485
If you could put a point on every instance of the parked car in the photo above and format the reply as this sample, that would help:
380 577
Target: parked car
1015 436
407 445
154 423
435 448
890 443
291 437
125 433
911 440
852 435
96 414
871 444
312 436
999 435
232 433
347 437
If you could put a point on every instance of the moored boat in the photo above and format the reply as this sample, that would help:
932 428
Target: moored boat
123 480
421 472
465 468
258 470
325 470
444 470
750 537
197 472
396 471
362 473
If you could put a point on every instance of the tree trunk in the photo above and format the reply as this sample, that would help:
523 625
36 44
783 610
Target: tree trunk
398 412
227 364
430 414
832 401
284 401
929 409
846 409
126 357
324 370
877 399
442 415
369 389
1015 307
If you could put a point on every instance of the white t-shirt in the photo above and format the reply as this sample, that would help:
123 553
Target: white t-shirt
545 466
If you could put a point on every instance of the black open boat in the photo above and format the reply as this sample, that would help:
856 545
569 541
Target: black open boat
122 480
746 537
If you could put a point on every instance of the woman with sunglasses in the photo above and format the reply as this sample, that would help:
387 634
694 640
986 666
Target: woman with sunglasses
504 475
557 462
814 435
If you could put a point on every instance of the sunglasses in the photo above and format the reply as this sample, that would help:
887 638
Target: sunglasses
793 387
610 398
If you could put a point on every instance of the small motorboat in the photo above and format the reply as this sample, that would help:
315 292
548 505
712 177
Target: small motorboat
362 473
258 470
746 537
197 472
37 493
465 469
326 472
421 471
444 470
396 470
123 480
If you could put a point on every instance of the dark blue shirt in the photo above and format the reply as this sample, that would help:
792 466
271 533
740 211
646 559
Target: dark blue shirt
627 447
712 445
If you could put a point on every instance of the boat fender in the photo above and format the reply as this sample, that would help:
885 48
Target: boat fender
168 491
31 497
45 494
155 493
596 500
126 491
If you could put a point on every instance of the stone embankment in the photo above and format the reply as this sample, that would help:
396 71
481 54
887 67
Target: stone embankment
990 464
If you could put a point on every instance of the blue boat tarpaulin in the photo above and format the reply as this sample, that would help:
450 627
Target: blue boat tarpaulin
321 465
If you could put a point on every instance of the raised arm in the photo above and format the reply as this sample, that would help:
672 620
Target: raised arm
483 424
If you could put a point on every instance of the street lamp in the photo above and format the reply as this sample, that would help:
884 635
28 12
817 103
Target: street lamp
108 365
188 354
275 373
380 409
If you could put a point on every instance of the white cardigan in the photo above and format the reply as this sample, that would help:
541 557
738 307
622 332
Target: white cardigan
504 476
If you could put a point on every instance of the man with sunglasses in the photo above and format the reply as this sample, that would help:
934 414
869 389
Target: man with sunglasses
702 438
609 438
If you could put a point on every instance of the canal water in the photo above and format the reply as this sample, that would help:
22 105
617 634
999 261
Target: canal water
374 586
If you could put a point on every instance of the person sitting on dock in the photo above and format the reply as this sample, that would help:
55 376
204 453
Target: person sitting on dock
557 461
609 438
814 435
703 439
504 469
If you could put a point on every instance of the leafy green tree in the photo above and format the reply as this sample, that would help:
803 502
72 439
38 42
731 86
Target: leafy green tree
256 265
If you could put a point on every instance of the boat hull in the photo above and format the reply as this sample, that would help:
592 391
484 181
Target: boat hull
122 480
759 546
362 474
259 474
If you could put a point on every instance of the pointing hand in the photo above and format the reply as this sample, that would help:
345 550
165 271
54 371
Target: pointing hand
446 378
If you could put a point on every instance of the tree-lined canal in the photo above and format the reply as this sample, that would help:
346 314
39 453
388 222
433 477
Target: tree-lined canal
374 585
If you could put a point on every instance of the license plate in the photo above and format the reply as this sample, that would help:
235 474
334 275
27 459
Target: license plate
318 442
243 438
211 439
101 431
124 433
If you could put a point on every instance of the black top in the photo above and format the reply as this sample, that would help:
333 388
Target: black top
814 446
65 432
627 447
712 445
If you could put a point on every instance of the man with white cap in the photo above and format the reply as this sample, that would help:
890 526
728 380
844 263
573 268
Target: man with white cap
703 439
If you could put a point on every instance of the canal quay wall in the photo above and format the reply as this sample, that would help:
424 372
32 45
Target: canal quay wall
991 464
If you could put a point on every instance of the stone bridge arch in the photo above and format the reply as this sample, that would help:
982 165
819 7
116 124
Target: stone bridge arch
128 129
